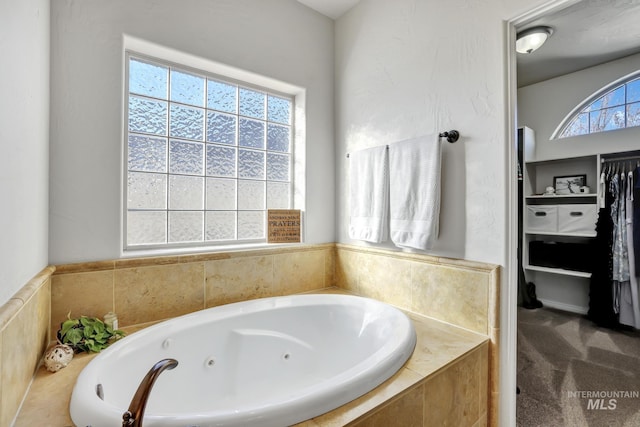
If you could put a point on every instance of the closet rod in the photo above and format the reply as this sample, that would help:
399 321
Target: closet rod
452 136
619 159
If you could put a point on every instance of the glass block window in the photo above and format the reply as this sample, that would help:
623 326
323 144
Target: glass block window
206 157
618 108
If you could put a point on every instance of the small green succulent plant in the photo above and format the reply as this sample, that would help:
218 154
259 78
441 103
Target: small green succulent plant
87 334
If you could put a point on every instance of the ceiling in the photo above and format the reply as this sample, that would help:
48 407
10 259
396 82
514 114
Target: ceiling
331 8
586 33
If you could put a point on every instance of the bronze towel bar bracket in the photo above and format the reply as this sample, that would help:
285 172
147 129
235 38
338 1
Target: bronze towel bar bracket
452 136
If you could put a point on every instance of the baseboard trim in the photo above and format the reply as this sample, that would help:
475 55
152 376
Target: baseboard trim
564 307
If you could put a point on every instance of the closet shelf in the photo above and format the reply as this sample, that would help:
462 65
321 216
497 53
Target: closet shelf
561 196
552 233
560 271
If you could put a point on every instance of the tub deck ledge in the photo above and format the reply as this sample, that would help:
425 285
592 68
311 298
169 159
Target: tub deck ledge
445 356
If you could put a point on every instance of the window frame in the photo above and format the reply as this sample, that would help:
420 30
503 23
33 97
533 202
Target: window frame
146 52
591 99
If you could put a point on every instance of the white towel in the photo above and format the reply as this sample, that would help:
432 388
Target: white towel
414 203
369 187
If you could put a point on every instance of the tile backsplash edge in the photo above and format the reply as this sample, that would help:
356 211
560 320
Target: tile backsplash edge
450 262
12 307
84 267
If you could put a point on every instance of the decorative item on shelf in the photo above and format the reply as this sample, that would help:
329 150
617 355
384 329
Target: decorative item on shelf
87 334
549 191
569 184
111 319
58 357
585 190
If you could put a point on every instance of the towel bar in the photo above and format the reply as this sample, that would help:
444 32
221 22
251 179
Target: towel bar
452 136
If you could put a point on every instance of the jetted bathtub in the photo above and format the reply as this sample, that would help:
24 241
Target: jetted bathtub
266 362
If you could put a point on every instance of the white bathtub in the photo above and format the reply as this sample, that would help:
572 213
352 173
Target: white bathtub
267 362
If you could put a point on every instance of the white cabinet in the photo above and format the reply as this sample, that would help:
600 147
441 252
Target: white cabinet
561 225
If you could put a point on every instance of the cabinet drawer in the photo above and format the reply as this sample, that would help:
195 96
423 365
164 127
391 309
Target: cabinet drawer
542 218
579 219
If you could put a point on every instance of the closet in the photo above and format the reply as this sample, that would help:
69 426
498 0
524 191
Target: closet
561 248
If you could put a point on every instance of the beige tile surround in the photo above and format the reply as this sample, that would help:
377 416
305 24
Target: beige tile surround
24 336
150 289
458 292
144 290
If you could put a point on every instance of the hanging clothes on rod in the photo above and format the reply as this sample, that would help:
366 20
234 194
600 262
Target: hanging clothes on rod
613 291
620 254
636 214
601 284
629 302
609 166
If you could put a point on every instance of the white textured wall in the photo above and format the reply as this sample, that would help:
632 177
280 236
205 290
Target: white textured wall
24 141
406 68
542 106
280 39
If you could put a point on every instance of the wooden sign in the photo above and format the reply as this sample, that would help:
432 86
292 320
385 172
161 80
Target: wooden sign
283 226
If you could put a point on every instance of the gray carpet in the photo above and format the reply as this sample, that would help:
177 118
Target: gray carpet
569 369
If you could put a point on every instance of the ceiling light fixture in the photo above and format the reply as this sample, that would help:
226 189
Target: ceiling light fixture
531 39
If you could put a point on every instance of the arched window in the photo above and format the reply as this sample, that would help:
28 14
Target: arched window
615 106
